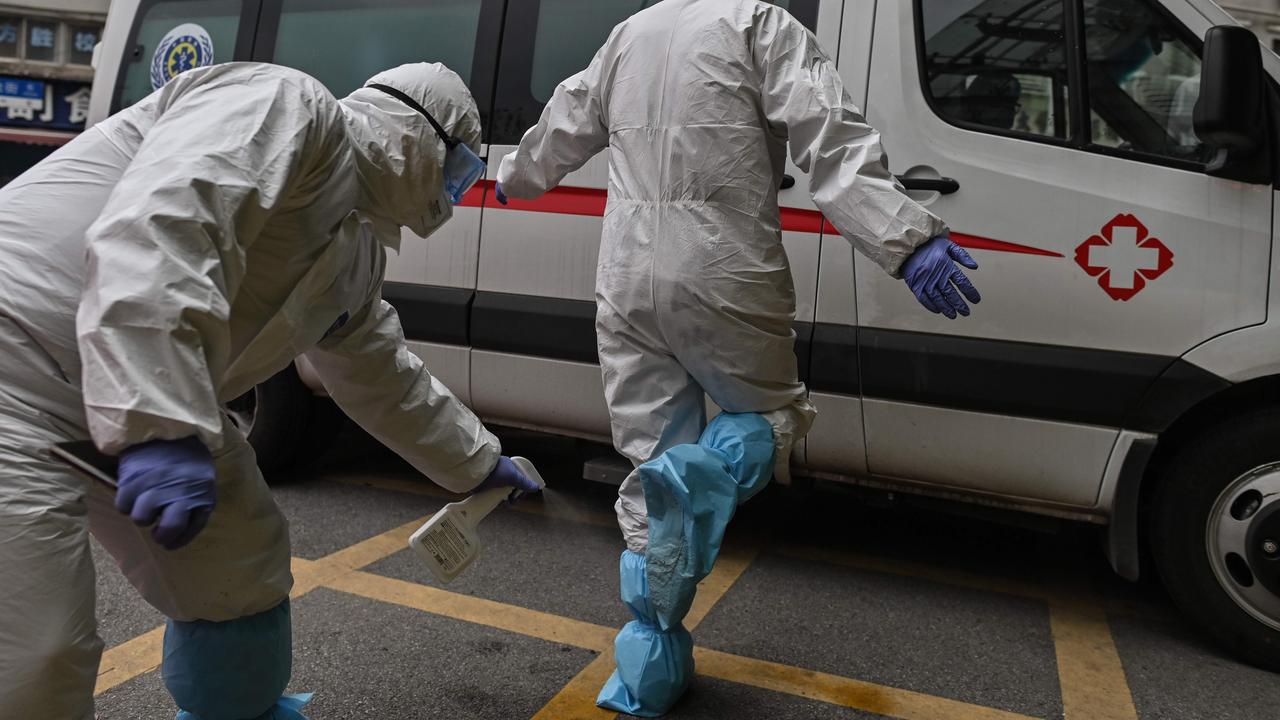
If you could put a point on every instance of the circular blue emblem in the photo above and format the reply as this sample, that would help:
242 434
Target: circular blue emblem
185 47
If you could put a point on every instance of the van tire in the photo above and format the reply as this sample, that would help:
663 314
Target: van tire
1193 485
274 416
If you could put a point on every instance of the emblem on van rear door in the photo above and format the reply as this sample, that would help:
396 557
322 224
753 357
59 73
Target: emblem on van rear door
1124 257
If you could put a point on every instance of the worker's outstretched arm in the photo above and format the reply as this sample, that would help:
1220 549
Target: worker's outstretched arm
166 256
369 371
572 129
849 171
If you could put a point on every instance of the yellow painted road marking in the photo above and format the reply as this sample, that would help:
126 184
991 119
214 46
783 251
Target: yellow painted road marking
512 618
365 552
577 700
1090 673
142 654
837 690
1092 677
130 659
733 561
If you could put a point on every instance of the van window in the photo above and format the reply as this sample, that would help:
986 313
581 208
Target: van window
342 43
998 64
571 31
569 34
566 35
1144 80
219 18
1004 66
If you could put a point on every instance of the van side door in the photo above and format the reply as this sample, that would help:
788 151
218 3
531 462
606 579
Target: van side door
1106 251
534 362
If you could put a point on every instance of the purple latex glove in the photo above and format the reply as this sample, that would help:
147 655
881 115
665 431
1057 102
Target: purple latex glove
171 483
932 275
497 191
506 474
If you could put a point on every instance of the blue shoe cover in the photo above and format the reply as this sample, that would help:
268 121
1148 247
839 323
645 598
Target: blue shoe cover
233 670
692 492
654 666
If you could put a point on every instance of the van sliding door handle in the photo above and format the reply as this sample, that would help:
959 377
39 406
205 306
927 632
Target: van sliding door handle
788 182
946 186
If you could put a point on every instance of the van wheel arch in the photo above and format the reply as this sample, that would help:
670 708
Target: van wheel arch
1171 515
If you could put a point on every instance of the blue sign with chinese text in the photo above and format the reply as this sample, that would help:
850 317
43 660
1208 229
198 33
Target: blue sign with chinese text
46 105
21 88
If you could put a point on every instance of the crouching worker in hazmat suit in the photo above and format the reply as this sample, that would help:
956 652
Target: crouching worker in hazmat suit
165 262
696 101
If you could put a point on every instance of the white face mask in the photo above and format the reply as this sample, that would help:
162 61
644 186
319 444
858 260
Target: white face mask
439 211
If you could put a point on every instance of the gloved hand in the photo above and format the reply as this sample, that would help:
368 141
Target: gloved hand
172 481
497 191
932 275
506 474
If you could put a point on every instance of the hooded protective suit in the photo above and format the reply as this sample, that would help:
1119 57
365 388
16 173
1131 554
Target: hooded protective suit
163 263
696 101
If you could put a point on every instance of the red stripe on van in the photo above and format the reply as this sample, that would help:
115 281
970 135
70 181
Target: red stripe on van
973 242
591 202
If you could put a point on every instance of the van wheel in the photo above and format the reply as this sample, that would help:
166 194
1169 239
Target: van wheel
274 417
1215 533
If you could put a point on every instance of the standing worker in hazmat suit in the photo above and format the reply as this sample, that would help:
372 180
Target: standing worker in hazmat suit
696 101
161 264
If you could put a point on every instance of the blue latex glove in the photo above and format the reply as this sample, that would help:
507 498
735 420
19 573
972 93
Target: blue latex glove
932 275
506 474
497 191
171 483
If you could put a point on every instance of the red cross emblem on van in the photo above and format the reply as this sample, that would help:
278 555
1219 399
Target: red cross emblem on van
1124 257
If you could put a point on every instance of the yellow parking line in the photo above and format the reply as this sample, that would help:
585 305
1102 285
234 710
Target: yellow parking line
142 654
1090 673
577 700
130 659
365 552
847 692
733 561
512 618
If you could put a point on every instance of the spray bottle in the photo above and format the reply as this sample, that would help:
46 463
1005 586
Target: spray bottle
448 541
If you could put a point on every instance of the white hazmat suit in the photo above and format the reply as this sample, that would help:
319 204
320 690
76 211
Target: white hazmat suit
696 101
163 263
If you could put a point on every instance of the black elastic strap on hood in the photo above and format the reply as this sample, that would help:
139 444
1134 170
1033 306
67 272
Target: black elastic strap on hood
450 141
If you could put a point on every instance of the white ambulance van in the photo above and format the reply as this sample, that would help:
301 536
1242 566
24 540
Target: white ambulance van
1123 368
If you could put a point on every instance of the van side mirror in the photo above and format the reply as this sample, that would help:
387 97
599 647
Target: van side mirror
1231 115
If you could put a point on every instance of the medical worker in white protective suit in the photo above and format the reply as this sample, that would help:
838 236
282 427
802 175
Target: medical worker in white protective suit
696 101
161 264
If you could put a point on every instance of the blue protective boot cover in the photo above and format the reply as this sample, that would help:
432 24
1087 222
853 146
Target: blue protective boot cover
654 666
233 670
692 492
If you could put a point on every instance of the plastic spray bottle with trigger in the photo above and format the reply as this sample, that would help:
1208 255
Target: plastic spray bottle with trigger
448 541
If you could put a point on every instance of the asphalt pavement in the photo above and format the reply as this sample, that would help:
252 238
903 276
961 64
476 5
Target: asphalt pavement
823 606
